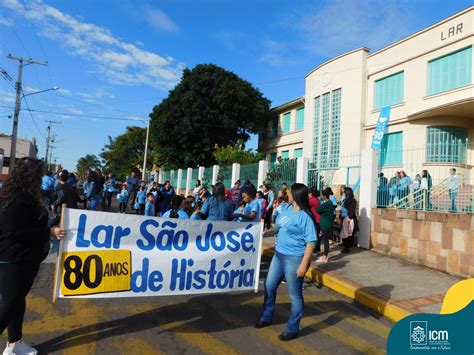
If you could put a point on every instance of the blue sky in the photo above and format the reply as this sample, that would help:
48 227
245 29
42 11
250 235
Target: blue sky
119 58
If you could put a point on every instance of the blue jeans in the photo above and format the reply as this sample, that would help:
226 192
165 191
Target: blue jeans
284 266
452 199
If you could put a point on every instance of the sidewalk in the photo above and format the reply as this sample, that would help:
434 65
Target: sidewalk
391 287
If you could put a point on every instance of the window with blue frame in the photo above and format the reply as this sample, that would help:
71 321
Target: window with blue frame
316 133
446 144
286 123
450 71
300 119
391 152
285 154
389 90
298 153
275 127
273 157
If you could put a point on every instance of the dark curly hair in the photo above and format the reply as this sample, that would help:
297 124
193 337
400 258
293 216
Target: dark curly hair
24 179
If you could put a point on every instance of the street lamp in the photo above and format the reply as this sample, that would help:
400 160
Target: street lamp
54 88
16 116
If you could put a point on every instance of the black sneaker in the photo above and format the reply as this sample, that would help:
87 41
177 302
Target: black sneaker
286 336
261 324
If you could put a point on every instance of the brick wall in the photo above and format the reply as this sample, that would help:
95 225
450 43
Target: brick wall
442 241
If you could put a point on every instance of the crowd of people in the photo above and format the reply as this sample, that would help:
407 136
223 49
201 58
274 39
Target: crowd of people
301 219
400 187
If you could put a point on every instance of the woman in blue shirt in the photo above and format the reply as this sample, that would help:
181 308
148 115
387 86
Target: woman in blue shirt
252 210
92 192
217 207
296 240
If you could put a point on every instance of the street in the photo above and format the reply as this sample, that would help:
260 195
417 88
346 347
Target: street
221 323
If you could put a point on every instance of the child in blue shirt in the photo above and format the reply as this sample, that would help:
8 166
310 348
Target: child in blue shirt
149 209
123 198
197 209
239 210
141 200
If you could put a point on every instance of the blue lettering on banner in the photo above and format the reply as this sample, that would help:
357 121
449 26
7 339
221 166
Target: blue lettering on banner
101 236
381 128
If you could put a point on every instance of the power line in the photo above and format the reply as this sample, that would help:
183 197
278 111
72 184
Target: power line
31 115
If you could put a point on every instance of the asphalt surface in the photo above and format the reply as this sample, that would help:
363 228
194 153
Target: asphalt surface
213 324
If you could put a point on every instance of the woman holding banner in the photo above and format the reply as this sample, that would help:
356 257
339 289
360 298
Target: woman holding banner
24 243
296 228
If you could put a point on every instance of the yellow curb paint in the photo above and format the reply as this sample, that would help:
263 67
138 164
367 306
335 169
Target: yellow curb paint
198 339
88 314
320 325
135 346
270 335
381 306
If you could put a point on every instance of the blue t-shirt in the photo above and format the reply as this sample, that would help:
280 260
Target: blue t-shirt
110 188
181 214
47 183
141 197
217 210
260 202
253 206
196 217
295 230
149 209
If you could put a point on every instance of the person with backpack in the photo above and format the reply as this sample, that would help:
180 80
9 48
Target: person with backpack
66 194
24 243
350 223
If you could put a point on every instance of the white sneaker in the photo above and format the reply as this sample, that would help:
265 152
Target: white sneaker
19 348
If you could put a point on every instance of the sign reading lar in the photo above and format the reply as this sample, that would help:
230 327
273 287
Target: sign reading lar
451 32
91 272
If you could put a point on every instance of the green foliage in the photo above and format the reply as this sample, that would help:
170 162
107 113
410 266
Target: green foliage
125 152
237 153
283 171
209 107
86 163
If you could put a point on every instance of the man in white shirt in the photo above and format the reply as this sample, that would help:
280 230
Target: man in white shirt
452 185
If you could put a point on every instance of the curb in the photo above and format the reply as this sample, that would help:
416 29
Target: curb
339 284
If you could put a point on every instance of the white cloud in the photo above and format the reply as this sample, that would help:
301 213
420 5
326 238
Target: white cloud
342 25
6 21
275 53
117 61
158 19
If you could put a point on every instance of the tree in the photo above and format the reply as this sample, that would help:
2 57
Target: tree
236 154
210 106
86 163
124 153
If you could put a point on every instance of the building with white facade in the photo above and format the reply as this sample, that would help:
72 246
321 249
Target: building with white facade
284 134
426 79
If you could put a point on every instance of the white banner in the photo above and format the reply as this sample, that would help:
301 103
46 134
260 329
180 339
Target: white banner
118 255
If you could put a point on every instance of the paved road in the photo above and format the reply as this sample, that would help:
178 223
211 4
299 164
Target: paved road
219 324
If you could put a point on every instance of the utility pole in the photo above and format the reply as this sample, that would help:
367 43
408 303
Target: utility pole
21 64
49 140
146 150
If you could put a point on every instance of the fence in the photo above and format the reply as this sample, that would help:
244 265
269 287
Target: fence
249 172
283 171
420 177
346 173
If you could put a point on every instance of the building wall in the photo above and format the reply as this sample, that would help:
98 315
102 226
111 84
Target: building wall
283 142
24 148
345 72
442 241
